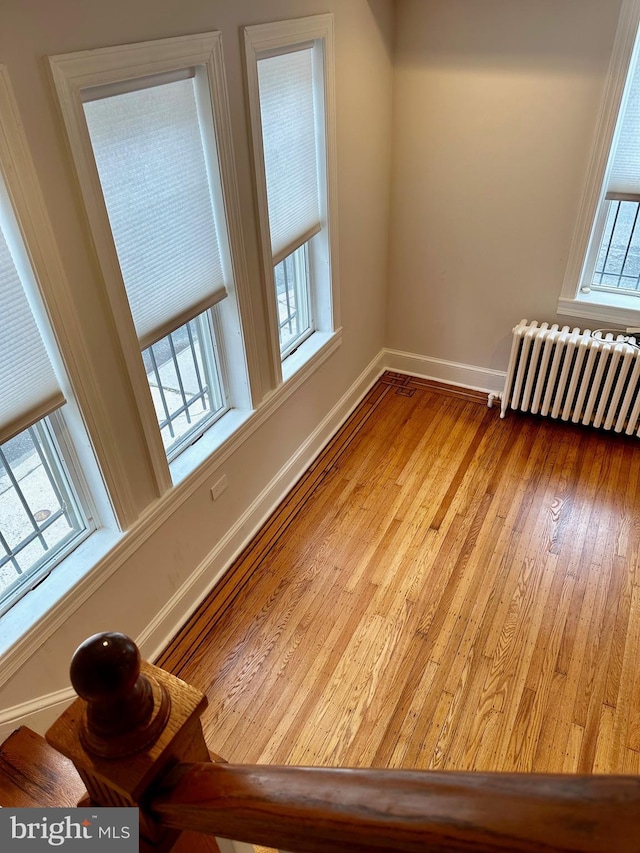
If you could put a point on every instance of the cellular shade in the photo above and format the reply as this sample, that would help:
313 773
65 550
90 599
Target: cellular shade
150 158
624 178
30 389
289 135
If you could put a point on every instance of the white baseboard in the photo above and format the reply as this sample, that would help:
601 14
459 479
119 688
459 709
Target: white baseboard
464 375
38 713
41 712
177 610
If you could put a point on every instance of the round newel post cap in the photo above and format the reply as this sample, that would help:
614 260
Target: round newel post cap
105 666
126 710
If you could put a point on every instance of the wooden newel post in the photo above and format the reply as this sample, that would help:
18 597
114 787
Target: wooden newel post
126 709
132 723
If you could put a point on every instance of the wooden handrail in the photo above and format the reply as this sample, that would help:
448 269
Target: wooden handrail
135 738
312 810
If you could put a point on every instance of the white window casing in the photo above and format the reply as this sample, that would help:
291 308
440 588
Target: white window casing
291 88
28 204
38 405
110 72
611 176
112 100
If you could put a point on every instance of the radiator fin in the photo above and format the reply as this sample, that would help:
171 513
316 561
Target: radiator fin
569 374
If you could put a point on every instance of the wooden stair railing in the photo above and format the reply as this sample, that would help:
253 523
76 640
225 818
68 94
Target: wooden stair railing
136 740
315 809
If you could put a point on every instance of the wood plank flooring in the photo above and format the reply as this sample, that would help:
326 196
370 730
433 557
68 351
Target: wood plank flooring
443 589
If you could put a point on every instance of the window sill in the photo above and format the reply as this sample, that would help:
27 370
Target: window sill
602 308
209 442
27 625
310 354
44 609
199 461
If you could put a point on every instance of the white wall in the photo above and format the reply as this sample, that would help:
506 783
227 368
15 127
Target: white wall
495 104
32 29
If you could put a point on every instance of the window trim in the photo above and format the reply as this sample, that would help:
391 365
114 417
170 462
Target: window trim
77 71
597 305
29 624
20 626
65 470
270 39
30 212
215 377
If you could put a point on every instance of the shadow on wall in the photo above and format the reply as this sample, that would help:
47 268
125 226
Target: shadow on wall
383 12
555 34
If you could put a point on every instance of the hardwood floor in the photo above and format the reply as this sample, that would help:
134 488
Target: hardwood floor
443 589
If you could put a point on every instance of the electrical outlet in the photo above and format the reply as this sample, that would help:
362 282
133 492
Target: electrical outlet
218 488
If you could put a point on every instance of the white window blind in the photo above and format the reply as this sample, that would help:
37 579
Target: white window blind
150 157
289 136
29 388
624 177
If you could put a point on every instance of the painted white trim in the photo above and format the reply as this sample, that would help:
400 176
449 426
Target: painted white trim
309 355
593 193
260 194
245 348
76 71
206 467
28 204
174 614
440 370
619 312
110 551
38 713
271 39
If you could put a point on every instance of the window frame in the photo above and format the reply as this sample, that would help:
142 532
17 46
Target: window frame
75 72
59 326
595 305
212 367
70 481
304 303
271 39
50 428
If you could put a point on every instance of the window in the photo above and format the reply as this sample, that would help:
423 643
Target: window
184 376
613 262
291 140
617 259
603 275
150 139
291 279
150 156
290 76
42 515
